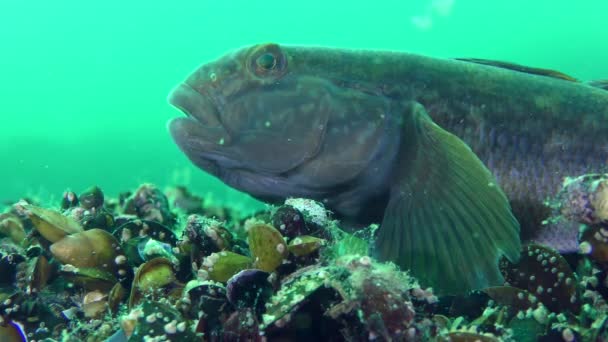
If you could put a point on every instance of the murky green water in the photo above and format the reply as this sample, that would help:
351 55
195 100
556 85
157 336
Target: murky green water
84 84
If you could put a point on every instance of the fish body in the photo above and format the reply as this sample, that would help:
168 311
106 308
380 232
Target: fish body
424 145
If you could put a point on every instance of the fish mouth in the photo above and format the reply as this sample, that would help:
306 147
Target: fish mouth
194 104
200 135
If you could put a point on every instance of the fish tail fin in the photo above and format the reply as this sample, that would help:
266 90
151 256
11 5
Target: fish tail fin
447 220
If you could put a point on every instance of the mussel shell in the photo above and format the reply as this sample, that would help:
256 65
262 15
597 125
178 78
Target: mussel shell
8 268
11 226
90 278
208 298
223 265
161 320
242 325
154 274
149 228
267 246
42 271
305 245
116 296
69 200
91 198
91 248
152 277
12 332
52 225
249 289
290 222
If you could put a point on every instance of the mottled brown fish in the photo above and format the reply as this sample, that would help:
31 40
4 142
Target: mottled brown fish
377 137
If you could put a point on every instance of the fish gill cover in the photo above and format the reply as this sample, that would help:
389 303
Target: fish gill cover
161 250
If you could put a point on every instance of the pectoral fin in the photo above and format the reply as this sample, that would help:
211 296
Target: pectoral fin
447 220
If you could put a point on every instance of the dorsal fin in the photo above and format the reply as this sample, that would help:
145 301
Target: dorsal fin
521 68
602 84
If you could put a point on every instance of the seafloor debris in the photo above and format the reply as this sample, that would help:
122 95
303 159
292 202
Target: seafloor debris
154 267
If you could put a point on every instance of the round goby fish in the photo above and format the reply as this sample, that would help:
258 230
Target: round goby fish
354 129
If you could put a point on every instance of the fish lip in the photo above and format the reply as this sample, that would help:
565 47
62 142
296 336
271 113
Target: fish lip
195 105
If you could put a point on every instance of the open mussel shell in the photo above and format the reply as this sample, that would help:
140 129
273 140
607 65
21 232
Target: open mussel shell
90 278
116 296
152 277
41 271
154 274
52 225
94 304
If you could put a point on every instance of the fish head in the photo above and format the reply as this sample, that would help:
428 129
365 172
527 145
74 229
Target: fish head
258 119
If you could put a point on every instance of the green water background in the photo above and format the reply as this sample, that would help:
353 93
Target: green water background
84 83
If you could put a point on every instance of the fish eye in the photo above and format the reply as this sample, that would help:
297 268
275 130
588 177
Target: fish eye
266 61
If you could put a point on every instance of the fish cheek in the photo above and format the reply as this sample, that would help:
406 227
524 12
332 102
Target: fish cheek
276 143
